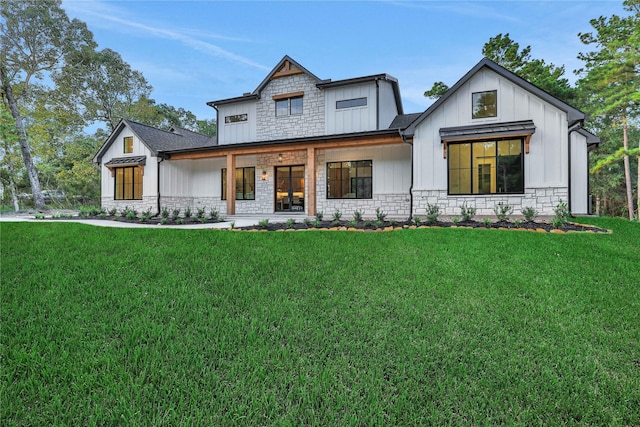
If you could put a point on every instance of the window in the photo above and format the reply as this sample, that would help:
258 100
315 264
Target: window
486 167
128 184
289 106
350 180
350 103
485 104
236 118
245 183
128 144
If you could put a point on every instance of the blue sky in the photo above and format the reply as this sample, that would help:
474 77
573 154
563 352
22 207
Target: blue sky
193 52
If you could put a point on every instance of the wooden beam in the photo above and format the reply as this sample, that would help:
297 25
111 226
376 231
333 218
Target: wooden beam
288 95
311 181
527 140
300 146
231 184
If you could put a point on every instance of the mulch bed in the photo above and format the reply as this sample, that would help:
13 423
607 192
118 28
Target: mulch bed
353 226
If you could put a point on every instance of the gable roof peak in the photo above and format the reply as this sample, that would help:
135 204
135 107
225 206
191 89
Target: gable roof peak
286 67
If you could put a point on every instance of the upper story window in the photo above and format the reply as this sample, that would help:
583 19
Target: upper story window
236 118
351 103
485 104
288 104
128 144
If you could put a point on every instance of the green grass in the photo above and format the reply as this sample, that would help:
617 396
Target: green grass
106 326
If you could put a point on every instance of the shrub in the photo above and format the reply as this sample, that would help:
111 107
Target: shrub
146 215
214 214
529 214
289 223
503 211
467 212
112 212
263 223
417 220
487 222
562 215
456 220
200 213
517 222
380 215
131 215
357 215
337 215
433 211
187 212
378 224
352 224
175 213
165 212
164 221
319 216
125 211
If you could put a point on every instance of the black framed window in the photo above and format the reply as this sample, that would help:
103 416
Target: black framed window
289 106
245 183
485 104
128 144
486 167
128 183
351 103
350 180
236 118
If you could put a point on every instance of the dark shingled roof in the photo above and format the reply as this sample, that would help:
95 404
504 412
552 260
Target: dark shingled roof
158 140
402 121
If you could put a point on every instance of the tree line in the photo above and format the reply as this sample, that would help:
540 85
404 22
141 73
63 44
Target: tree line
607 88
55 83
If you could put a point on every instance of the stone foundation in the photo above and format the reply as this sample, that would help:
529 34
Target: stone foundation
150 202
544 200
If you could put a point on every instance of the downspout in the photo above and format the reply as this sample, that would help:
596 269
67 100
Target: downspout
572 128
404 139
377 104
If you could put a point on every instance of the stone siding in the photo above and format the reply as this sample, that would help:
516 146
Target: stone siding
309 123
147 202
544 200
195 203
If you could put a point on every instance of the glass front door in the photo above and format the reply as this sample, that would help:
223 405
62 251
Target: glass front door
289 189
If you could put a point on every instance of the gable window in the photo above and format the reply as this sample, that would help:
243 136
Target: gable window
485 104
128 183
128 144
486 167
245 183
351 103
289 106
236 118
350 180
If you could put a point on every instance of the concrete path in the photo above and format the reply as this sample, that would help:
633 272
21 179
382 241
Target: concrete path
238 220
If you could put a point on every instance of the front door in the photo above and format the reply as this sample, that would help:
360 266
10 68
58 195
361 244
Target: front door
289 189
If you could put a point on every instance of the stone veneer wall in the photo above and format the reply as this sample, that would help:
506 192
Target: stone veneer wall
396 206
309 123
544 200
147 202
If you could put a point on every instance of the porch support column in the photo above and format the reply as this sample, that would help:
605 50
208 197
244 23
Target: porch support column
231 184
311 181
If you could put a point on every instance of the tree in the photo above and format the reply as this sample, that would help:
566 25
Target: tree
611 80
502 50
102 85
36 39
9 137
437 90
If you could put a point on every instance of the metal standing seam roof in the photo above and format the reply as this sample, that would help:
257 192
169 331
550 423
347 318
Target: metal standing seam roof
524 127
127 161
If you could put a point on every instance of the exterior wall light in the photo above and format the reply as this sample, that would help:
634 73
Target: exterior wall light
264 176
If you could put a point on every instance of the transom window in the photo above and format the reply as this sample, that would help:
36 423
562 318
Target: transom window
486 167
351 103
289 106
128 144
245 183
485 104
128 183
236 118
350 180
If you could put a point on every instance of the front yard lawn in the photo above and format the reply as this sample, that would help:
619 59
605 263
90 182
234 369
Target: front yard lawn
110 326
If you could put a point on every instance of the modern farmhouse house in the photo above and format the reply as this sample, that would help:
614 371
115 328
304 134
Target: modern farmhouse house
300 144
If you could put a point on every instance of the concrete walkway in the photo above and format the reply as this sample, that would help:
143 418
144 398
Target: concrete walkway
238 220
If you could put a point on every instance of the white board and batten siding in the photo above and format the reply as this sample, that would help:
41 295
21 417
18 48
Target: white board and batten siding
388 109
353 119
546 165
237 132
192 178
391 165
579 174
116 150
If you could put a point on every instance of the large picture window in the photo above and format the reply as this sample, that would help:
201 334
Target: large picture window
245 183
486 167
128 183
350 180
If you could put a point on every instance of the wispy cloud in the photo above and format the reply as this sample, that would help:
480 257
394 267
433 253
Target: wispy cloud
475 9
106 13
